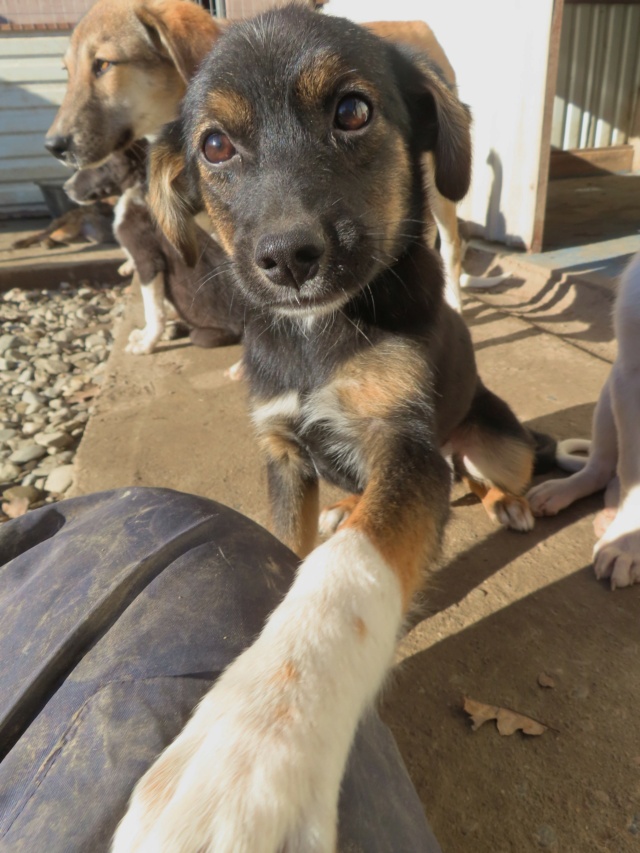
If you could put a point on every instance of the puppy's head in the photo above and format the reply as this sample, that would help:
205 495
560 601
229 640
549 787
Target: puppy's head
302 136
128 62
119 172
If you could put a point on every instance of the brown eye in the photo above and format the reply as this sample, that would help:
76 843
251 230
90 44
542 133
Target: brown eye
218 148
100 66
352 113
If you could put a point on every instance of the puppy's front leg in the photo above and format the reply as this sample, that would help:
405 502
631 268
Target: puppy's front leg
258 768
617 553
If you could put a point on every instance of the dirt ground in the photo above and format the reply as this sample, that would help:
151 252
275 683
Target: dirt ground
501 609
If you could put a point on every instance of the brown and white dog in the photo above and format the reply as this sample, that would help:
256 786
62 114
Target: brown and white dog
304 136
128 64
614 453
214 315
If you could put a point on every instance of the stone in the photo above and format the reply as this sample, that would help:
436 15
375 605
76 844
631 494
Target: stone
31 397
7 342
60 479
16 492
27 454
6 434
58 440
8 472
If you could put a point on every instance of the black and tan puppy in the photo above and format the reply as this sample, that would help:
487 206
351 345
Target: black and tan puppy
303 137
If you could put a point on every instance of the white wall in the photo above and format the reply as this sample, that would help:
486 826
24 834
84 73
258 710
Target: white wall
499 50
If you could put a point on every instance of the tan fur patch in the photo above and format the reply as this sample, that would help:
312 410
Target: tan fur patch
407 546
287 674
231 109
221 221
379 380
361 628
318 78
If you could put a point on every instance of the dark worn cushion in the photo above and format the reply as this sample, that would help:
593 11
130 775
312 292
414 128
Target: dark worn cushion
119 610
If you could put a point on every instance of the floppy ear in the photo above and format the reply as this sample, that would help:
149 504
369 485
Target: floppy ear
439 121
171 198
181 32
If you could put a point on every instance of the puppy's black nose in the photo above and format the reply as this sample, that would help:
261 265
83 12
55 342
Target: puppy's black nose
290 258
58 146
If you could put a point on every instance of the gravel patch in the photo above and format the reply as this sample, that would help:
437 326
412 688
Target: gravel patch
53 349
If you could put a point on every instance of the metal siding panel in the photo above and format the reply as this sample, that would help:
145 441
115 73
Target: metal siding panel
30 95
22 145
32 69
31 44
31 169
36 120
20 196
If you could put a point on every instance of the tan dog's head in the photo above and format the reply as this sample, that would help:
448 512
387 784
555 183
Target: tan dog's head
128 64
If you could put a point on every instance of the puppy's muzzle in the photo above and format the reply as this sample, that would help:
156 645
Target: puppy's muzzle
290 257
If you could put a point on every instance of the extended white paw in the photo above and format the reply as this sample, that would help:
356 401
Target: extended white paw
143 341
550 497
330 520
335 515
239 779
127 268
617 554
236 372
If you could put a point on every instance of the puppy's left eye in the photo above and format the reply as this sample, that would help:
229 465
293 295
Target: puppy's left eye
352 113
218 148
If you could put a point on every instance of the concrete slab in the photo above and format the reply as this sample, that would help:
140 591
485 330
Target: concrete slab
500 609
41 267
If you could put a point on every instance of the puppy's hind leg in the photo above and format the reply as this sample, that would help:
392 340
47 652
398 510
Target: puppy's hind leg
497 455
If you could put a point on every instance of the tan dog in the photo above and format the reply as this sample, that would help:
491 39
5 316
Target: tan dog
128 63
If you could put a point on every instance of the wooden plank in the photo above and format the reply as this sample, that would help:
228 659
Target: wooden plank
32 69
583 162
30 95
38 119
34 44
547 119
14 145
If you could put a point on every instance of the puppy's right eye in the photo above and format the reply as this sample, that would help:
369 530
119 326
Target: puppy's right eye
218 148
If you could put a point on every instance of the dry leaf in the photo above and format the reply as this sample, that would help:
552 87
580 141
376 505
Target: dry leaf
507 721
15 507
545 680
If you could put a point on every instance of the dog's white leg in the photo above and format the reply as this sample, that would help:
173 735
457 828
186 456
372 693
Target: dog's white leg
446 218
550 497
258 767
144 340
617 554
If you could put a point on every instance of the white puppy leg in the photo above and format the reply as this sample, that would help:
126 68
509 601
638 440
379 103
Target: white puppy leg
550 497
144 340
617 554
258 767
446 218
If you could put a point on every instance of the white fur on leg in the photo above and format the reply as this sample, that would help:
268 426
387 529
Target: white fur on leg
617 553
258 767
144 340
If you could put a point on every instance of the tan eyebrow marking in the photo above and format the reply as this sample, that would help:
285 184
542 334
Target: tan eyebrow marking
319 76
231 109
